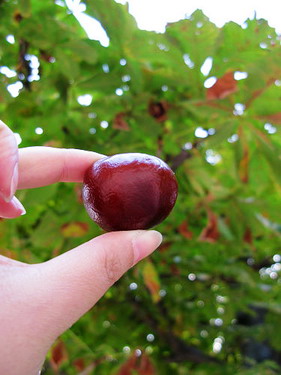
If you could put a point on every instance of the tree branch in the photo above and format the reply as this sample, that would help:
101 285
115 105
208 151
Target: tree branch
24 65
184 155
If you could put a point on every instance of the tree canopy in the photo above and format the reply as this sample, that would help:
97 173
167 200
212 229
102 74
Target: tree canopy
207 101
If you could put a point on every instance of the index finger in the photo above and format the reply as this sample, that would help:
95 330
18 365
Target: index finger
41 166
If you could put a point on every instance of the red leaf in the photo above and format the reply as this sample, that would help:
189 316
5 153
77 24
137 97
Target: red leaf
248 237
17 16
244 165
74 229
151 280
58 355
53 143
119 122
210 233
274 118
165 246
79 364
224 86
158 110
184 231
8 253
137 366
128 366
78 193
174 270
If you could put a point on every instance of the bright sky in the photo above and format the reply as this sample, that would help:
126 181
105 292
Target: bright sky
155 14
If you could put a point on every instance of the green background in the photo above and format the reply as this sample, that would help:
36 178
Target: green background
209 301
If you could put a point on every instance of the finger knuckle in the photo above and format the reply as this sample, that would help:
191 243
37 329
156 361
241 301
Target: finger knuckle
113 268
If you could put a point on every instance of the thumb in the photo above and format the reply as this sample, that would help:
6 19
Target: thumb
74 281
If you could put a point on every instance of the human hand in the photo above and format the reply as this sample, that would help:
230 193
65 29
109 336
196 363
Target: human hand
40 301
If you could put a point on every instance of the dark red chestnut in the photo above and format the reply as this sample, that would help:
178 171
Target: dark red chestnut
129 191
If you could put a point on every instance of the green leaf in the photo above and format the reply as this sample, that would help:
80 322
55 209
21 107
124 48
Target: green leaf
118 23
25 8
223 131
271 153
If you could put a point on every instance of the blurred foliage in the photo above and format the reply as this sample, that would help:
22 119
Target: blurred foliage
208 302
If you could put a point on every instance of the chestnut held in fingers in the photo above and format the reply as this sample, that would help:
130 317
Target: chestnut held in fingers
129 191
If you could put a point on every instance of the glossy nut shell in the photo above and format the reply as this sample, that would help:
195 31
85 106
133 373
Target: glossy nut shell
129 191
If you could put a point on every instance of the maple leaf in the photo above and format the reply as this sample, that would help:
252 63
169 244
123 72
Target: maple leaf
184 231
158 110
120 123
248 236
58 355
244 165
210 233
274 118
137 366
78 193
74 229
151 280
223 87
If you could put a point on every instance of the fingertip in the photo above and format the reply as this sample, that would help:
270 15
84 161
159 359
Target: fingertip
12 209
145 243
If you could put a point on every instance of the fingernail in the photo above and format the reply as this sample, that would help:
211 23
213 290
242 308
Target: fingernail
145 243
14 182
8 195
18 206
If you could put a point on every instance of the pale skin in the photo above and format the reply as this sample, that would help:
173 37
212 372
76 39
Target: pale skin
40 301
